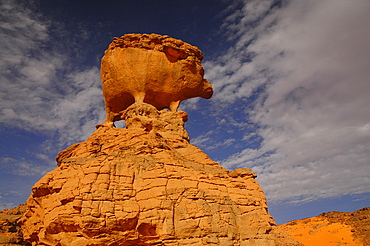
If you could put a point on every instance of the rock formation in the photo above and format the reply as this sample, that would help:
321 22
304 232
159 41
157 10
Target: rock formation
10 230
332 229
145 184
151 68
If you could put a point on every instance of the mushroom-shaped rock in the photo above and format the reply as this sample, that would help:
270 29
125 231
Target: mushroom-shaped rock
153 69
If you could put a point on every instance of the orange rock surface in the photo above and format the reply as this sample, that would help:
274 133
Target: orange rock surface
147 185
10 231
151 68
332 229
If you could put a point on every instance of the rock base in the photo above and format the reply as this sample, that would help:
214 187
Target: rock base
147 185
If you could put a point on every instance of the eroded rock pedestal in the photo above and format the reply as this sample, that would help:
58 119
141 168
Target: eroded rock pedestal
147 185
151 68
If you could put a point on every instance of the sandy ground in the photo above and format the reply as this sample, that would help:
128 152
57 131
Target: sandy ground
320 232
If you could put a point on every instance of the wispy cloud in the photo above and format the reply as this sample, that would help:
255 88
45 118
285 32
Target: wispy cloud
306 65
297 74
23 167
5 205
205 141
42 88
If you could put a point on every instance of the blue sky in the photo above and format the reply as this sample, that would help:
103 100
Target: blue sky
291 82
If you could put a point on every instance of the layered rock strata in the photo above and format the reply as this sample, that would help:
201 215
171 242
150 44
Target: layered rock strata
147 185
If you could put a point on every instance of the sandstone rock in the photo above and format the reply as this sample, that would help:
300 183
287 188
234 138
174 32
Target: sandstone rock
147 185
10 230
151 68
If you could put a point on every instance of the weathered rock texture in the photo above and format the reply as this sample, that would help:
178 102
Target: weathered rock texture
332 229
151 68
10 230
147 185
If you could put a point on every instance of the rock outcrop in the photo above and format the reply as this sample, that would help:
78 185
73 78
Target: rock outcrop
332 229
10 230
151 68
147 185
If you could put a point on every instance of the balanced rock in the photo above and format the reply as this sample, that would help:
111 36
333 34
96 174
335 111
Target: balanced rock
147 185
151 68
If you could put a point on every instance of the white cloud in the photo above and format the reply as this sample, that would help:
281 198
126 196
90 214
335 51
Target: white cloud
42 90
23 167
312 57
6 205
81 111
190 104
202 141
304 65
